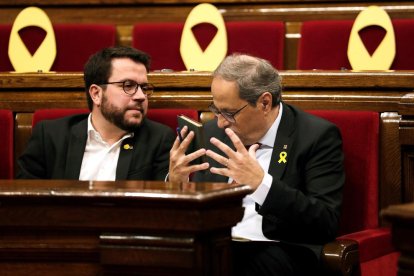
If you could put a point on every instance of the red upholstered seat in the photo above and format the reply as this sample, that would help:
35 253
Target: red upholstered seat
360 212
54 113
5 64
324 44
7 144
169 116
264 39
74 43
165 116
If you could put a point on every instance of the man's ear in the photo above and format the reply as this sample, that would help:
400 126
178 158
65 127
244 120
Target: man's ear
95 92
266 101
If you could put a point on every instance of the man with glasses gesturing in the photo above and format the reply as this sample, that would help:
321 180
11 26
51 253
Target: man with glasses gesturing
294 166
115 140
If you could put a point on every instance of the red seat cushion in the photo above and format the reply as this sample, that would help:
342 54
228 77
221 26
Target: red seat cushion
169 116
7 142
54 113
161 41
360 135
324 44
74 44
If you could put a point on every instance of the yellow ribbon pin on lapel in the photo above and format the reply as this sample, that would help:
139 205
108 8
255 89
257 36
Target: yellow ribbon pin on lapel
282 157
128 147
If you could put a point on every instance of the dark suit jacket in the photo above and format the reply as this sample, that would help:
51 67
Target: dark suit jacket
56 148
303 204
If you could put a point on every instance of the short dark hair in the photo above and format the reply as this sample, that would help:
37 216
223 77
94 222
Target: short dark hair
98 68
253 76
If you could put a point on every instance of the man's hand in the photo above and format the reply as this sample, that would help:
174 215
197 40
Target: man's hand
241 165
180 167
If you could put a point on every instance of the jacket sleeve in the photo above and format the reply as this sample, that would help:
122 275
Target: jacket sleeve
162 156
32 163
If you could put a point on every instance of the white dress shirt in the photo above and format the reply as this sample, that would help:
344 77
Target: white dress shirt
250 227
100 159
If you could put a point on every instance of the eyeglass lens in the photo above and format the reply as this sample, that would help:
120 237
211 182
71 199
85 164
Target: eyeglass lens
131 87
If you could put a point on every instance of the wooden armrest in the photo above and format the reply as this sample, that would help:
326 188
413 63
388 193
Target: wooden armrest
341 257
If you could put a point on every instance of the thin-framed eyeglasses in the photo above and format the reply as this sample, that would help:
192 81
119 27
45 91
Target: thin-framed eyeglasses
131 87
229 116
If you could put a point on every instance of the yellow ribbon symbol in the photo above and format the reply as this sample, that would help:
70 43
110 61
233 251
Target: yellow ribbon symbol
128 147
282 157
191 52
20 57
358 55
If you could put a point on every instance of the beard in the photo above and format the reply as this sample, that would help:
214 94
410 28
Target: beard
117 115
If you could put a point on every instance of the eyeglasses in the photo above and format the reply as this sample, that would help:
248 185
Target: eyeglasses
229 116
131 87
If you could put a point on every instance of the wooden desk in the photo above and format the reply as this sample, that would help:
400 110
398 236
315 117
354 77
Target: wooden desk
402 219
117 228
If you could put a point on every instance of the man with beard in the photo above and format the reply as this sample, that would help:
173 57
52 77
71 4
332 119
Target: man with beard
115 141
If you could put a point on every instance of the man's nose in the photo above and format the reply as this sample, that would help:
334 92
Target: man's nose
139 95
221 122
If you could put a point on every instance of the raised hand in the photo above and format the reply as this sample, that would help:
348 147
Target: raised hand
241 165
180 167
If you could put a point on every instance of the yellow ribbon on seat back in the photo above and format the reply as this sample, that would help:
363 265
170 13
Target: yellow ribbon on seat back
19 55
191 52
384 55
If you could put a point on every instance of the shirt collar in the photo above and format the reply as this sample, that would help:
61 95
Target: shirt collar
269 138
95 135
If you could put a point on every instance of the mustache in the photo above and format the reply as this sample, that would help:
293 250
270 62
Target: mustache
136 107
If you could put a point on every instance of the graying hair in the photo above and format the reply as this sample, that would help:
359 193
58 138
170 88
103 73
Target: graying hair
253 76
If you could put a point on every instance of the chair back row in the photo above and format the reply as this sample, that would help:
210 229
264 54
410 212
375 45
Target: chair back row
323 44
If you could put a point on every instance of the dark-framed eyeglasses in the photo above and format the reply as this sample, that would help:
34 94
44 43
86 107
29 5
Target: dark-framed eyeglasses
131 87
229 116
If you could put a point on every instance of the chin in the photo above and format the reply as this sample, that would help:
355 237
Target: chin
135 121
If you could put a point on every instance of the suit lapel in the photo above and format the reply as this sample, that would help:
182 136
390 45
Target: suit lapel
76 149
282 146
125 157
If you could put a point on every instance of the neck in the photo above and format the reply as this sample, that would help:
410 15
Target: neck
108 131
271 117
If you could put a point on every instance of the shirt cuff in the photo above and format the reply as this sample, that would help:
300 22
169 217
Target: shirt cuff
262 190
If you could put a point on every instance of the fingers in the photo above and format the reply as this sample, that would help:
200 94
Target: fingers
180 167
241 165
219 158
220 171
235 140
177 141
252 150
